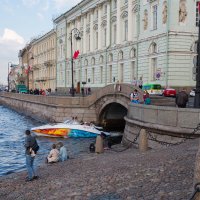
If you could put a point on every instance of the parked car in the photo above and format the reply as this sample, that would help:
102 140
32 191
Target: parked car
192 92
169 92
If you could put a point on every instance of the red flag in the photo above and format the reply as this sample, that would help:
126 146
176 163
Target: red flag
76 53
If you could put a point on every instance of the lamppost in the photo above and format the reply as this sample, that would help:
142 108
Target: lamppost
28 67
197 91
77 37
8 75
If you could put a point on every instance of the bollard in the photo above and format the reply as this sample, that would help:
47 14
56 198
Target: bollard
143 141
197 172
99 144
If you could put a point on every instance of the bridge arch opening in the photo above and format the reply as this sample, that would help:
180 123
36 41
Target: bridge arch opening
112 117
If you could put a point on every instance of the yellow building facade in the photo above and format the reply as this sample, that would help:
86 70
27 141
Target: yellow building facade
43 72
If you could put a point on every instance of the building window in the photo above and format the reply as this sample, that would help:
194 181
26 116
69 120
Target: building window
110 73
155 17
125 1
96 42
114 4
105 37
93 79
105 9
85 75
97 14
153 69
121 73
114 34
197 14
101 74
88 42
126 30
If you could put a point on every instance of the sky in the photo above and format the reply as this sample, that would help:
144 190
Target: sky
21 21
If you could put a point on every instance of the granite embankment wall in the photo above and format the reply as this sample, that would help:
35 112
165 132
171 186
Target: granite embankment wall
168 124
59 108
49 108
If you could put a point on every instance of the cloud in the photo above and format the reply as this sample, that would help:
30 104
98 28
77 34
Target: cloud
10 36
10 44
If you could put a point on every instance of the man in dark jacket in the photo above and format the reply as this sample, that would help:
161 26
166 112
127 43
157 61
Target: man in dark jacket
30 142
182 99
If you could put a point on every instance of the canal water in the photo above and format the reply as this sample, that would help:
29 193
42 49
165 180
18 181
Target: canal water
12 152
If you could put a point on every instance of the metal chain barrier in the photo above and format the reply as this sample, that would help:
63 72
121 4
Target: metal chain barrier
135 139
153 138
196 190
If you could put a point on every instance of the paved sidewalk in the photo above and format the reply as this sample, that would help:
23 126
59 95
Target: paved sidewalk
162 174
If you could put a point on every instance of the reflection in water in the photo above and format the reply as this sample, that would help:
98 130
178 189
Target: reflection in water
12 127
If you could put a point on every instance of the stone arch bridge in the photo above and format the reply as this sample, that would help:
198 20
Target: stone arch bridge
104 105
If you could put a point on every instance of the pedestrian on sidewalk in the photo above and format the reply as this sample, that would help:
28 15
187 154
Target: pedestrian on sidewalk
182 99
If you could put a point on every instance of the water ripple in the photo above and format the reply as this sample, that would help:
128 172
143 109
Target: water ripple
12 128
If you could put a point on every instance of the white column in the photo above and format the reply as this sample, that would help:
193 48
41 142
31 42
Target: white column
84 34
91 31
99 27
118 22
130 21
108 25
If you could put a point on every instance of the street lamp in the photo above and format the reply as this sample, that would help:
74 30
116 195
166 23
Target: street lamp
8 75
77 37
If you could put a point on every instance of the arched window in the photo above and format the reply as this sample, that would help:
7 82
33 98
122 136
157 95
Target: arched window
120 55
96 36
114 29
110 58
101 59
124 17
153 48
93 61
86 62
133 53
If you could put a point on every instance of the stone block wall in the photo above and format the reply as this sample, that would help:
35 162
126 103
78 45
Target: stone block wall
48 109
170 123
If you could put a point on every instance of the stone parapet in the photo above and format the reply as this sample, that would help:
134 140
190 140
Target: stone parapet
158 120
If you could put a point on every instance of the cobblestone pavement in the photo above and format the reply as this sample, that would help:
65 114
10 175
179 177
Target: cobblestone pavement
161 174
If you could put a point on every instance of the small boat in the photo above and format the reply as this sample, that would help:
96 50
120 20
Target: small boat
67 129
